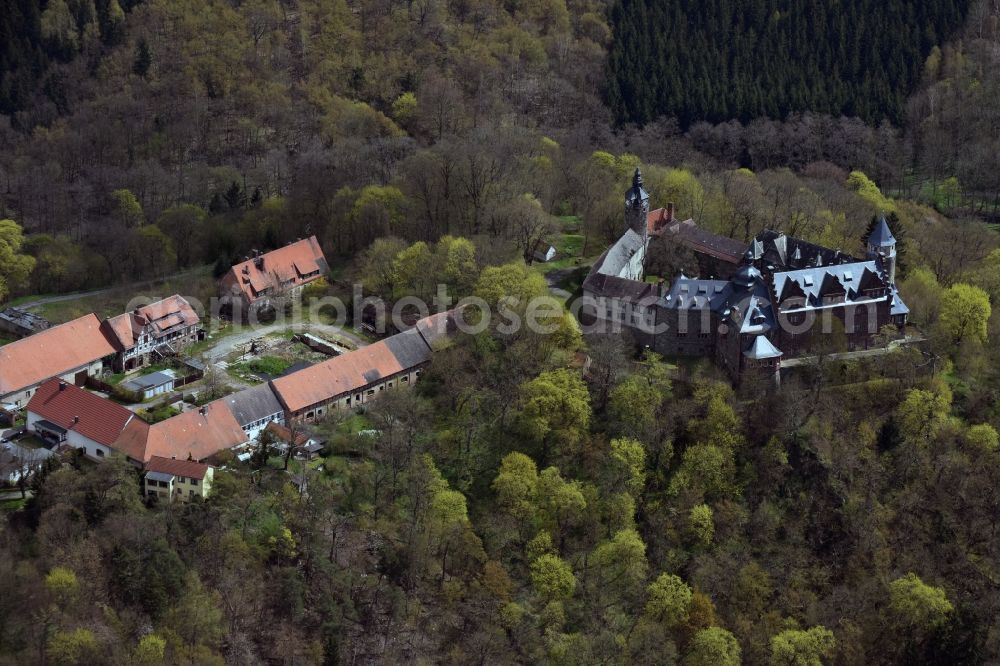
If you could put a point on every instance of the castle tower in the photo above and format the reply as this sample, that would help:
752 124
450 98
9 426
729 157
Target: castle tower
882 244
637 206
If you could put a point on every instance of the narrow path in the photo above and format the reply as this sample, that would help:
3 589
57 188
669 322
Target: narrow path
30 305
847 356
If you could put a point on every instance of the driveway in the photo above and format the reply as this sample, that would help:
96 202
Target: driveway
238 341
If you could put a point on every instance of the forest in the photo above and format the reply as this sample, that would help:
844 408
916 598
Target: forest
715 61
512 508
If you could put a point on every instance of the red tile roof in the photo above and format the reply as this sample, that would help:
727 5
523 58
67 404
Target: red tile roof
195 434
285 435
186 468
52 352
342 374
124 329
74 409
275 268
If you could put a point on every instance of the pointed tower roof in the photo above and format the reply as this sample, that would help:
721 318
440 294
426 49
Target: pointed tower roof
881 235
762 349
636 195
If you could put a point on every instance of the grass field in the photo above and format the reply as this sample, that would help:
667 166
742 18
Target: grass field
195 284
12 504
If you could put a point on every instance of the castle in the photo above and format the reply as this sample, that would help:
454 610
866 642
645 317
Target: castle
751 305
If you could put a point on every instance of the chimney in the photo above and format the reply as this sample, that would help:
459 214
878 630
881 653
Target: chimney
203 410
62 386
76 419
670 212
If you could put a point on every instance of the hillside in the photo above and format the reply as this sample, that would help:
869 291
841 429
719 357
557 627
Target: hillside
714 61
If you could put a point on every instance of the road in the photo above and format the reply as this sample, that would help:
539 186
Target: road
29 305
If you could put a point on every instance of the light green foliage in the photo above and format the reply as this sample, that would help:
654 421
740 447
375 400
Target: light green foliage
412 266
869 191
983 437
667 601
719 427
795 647
634 406
457 260
516 484
622 559
513 281
701 524
69 648
150 651
922 294
681 187
922 412
917 605
628 460
556 406
127 208
404 108
965 312
14 266
713 646
538 546
552 577
62 584
381 206
704 469
561 502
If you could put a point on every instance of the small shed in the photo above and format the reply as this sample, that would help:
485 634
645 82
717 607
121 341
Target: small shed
152 385
543 251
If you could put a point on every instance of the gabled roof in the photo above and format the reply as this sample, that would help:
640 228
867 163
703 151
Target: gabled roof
274 269
197 434
284 434
409 348
174 467
701 240
762 349
851 277
52 352
72 408
831 286
352 371
881 235
162 316
253 404
436 328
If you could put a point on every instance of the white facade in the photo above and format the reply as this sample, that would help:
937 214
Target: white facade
73 439
21 398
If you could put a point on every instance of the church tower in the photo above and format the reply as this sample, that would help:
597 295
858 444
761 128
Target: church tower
637 206
882 244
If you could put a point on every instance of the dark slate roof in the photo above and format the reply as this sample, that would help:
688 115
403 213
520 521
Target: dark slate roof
898 306
762 349
253 404
615 260
688 293
636 195
811 280
881 235
704 241
149 381
787 253
409 348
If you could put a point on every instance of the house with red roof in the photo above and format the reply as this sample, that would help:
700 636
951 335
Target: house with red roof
171 479
71 351
67 416
268 280
154 331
